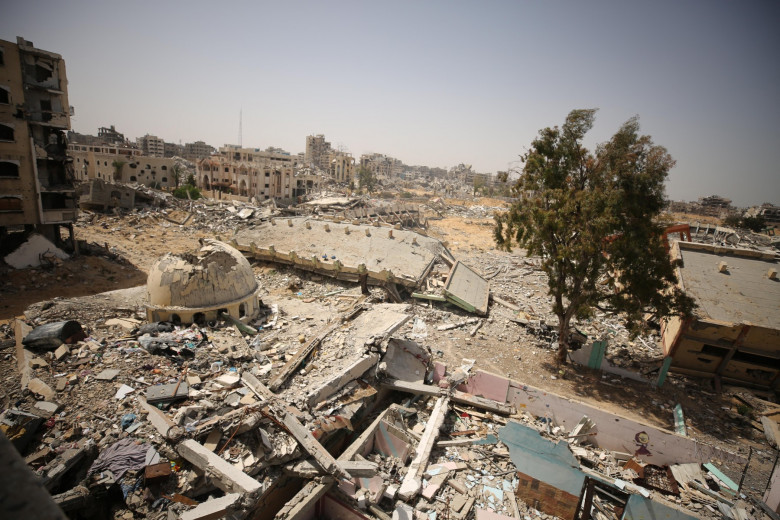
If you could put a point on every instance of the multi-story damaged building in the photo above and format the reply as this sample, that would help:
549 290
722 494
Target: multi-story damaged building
246 179
151 145
121 164
734 336
317 151
272 156
341 167
109 135
197 150
382 166
36 174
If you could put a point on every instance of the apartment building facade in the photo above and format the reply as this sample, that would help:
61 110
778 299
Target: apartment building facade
246 178
36 173
122 164
151 145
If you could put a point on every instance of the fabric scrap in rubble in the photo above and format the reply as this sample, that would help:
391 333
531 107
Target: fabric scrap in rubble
122 456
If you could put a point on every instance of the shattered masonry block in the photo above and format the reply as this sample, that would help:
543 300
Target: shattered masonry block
222 473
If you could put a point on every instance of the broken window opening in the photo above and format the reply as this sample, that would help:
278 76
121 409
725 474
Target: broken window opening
199 318
712 350
164 167
9 169
6 133
164 179
754 359
242 310
132 178
176 319
5 97
56 201
43 72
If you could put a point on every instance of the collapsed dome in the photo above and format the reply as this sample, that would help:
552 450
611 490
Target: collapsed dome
196 287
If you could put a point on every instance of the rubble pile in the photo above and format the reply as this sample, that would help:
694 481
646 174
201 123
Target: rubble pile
335 400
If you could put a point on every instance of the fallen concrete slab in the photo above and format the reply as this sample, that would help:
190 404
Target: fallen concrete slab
344 251
457 396
467 289
350 373
313 447
213 509
412 482
356 468
222 473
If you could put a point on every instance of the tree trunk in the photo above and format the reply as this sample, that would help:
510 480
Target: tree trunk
563 338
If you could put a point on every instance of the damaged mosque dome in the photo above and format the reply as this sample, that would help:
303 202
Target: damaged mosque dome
196 287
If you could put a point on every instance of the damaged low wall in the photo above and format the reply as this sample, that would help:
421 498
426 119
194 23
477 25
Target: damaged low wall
615 433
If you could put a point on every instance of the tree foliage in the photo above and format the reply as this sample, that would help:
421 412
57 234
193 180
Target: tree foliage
591 218
118 165
366 179
187 191
755 224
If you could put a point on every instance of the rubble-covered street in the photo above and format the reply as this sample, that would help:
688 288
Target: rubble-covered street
360 387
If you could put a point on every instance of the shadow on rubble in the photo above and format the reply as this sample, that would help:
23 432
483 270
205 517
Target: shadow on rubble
703 410
95 270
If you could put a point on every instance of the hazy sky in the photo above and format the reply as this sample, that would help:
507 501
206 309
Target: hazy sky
428 82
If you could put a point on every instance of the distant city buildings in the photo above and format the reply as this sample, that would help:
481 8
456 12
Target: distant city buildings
711 206
151 145
382 166
37 188
197 150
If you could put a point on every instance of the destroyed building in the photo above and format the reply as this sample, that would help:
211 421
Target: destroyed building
100 195
197 288
328 401
735 335
246 178
36 173
122 164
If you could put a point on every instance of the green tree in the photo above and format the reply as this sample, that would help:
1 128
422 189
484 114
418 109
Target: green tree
591 218
755 224
478 185
177 169
191 180
187 191
366 179
118 165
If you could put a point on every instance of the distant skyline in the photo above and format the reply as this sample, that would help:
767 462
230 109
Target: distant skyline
431 83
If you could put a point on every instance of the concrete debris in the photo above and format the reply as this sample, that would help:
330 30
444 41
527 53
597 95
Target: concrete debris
35 252
320 397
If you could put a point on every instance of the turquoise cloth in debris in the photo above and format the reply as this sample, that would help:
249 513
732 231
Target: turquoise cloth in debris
544 460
